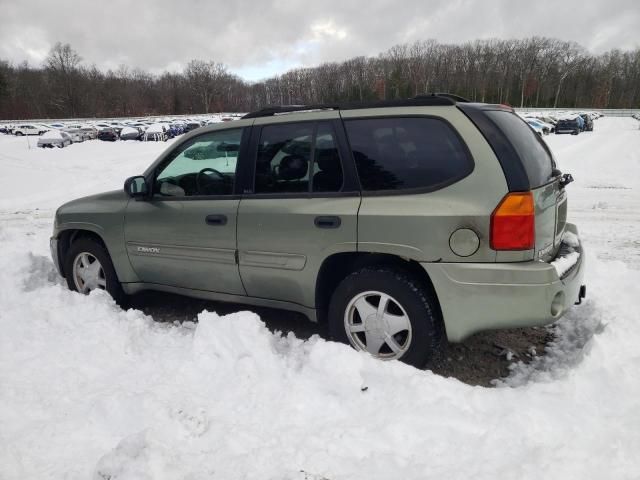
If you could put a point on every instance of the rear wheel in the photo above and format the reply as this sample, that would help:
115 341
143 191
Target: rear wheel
88 267
388 314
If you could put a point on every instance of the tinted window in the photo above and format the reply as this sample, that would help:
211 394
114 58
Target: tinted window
327 167
290 155
403 153
205 165
535 156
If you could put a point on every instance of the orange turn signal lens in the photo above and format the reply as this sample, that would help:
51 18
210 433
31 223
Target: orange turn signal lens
513 223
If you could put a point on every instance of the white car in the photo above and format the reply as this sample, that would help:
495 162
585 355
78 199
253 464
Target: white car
29 129
90 132
54 138
76 133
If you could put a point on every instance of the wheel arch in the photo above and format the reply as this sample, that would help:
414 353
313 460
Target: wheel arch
67 237
338 266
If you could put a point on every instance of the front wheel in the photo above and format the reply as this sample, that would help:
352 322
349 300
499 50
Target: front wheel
388 314
88 267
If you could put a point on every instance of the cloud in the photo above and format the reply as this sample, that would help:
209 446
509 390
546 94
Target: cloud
259 38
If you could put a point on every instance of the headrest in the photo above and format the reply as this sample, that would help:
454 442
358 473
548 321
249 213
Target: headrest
293 167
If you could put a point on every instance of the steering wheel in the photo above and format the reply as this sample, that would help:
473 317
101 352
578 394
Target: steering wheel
203 172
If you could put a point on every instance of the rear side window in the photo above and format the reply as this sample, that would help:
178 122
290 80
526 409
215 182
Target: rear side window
536 159
298 158
400 153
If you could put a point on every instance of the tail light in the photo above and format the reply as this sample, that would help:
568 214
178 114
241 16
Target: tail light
513 223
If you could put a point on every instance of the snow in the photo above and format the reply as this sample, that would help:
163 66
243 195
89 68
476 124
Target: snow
90 391
129 130
52 135
156 128
565 263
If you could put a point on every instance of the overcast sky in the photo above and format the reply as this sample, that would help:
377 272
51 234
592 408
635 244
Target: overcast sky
256 39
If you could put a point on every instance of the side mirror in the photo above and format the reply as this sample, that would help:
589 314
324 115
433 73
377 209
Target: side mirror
136 187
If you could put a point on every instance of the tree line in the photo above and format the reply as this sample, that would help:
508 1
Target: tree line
531 72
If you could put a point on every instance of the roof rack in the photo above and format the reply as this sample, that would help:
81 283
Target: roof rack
452 96
425 100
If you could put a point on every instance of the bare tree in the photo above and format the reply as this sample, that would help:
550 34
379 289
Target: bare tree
62 66
205 79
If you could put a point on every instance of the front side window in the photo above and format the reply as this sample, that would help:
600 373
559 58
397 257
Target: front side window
298 158
205 165
399 153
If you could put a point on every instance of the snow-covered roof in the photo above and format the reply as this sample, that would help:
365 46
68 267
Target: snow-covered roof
53 135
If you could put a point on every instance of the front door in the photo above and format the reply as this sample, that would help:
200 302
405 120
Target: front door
185 235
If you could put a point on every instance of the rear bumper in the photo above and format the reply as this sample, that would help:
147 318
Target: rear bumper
485 296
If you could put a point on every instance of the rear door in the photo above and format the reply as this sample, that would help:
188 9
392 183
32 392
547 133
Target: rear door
544 180
299 207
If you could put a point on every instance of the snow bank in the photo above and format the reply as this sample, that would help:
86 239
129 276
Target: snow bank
90 391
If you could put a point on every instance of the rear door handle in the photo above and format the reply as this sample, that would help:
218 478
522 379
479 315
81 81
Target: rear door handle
216 220
327 222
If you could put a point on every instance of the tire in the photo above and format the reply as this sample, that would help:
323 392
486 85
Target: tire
409 303
19 134
108 278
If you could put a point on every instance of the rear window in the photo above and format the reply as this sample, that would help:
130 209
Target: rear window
535 156
407 153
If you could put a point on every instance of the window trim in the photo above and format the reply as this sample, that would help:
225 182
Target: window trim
349 187
416 190
167 158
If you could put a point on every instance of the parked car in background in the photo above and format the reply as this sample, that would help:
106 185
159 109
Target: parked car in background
588 122
117 126
131 133
569 125
6 129
75 132
29 129
191 125
54 138
107 135
90 132
537 126
156 133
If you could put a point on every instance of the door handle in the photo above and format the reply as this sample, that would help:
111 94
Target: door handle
216 220
327 222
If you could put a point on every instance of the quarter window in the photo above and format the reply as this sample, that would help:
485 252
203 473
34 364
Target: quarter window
405 153
205 165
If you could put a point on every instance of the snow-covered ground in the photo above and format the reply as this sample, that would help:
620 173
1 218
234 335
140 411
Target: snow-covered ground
90 391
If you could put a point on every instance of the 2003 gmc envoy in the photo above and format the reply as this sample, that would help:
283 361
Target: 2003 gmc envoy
403 224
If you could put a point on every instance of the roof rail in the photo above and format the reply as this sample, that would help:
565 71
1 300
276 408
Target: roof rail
452 96
280 109
434 99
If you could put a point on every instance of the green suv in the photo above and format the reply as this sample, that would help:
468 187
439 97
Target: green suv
403 224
